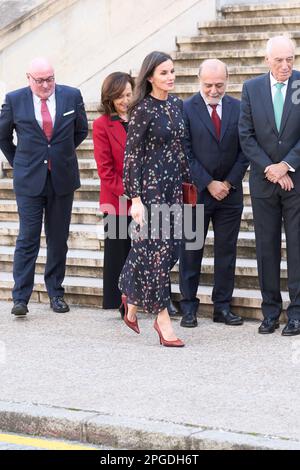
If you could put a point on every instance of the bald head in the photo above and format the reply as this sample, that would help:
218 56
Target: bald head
213 76
278 42
280 55
40 65
213 66
40 76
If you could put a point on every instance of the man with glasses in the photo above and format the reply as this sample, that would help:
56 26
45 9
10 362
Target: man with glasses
50 122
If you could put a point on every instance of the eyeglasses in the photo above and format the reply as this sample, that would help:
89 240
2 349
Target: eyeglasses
40 81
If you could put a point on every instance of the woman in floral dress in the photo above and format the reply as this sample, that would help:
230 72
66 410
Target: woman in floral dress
154 169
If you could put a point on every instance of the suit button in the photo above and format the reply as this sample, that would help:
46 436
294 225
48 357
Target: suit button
280 142
49 146
45 161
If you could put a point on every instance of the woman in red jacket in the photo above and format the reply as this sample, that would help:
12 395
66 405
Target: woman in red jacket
109 136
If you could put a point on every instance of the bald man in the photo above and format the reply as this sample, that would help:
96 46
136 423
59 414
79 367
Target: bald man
50 122
270 137
217 167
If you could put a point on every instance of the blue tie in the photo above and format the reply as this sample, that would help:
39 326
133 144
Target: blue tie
278 103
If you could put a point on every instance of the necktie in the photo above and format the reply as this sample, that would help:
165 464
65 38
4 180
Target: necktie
47 123
216 120
278 103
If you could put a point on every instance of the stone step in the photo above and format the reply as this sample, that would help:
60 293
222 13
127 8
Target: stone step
81 263
87 168
87 212
91 111
184 90
84 212
246 274
246 247
89 190
86 291
229 41
89 263
90 124
79 290
86 150
232 57
82 236
91 237
253 11
236 74
278 24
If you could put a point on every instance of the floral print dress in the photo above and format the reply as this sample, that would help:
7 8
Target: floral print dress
154 168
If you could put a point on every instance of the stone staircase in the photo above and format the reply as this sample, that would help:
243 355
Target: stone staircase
238 38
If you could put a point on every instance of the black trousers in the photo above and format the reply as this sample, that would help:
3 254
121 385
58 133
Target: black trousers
226 218
268 215
116 251
57 216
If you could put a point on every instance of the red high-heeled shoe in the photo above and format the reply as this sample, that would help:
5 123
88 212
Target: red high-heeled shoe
124 312
177 343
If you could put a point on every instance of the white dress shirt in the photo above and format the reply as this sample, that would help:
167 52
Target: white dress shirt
273 82
51 103
209 108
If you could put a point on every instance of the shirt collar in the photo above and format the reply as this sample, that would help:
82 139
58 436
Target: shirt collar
38 100
207 103
273 81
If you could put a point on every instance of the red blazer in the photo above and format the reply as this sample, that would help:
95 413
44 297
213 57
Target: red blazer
109 138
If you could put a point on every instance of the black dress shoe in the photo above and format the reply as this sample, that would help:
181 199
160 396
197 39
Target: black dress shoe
189 320
227 317
59 305
172 310
268 325
19 309
292 328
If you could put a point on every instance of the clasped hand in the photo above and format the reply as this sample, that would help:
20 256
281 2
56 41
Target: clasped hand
278 173
219 189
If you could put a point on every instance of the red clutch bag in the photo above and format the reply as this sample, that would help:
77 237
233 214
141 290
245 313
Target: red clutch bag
189 193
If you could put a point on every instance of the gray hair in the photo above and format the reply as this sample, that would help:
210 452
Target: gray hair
276 39
213 64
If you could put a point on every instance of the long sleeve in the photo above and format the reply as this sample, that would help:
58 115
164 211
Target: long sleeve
237 172
252 150
6 131
185 169
81 123
135 151
199 175
105 162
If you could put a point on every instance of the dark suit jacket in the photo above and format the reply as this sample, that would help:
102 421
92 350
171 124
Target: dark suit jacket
30 155
209 158
262 144
109 146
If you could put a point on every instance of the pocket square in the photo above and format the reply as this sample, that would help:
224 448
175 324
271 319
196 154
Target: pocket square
69 112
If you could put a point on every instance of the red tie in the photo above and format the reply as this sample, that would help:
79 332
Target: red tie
47 123
216 120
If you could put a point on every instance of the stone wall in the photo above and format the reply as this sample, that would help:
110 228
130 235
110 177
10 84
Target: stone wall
88 39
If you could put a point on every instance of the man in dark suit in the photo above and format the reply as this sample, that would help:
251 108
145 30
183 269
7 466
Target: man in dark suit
217 168
270 137
50 122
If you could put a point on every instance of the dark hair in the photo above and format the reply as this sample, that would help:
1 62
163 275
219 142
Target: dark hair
112 87
143 86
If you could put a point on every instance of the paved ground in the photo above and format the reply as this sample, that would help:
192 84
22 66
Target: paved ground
228 383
